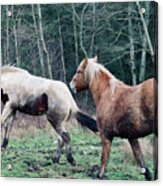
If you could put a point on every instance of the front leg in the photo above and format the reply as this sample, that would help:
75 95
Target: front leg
106 145
6 123
139 158
7 112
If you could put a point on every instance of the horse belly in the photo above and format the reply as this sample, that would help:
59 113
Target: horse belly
35 106
129 127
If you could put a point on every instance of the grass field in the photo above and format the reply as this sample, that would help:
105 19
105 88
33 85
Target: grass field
31 156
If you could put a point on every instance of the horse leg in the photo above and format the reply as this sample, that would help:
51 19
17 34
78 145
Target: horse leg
67 140
63 138
106 145
7 111
55 122
139 158
8 127
8 116
59 150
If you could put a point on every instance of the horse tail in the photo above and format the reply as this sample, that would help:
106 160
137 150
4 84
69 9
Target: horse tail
86 121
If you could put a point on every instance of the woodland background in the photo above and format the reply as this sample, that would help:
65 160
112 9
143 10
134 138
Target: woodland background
51 40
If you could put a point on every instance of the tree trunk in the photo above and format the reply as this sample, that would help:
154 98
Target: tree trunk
7 35
41 57
43 42
131 39
75 35
61 45
2 57
15 38
146 30
81 32
93 29
144 45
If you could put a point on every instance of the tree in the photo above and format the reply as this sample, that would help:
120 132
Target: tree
81 31
7 35
146 30
15 37
75 34
41 58
144 46
131 39
43 41
61 44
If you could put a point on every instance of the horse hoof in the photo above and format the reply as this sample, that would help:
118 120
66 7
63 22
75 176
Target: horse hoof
73 163
2 149
4 144
100 177
55 160
145 171
147 175
71 160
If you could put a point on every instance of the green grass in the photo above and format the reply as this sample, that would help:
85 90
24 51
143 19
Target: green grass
31 156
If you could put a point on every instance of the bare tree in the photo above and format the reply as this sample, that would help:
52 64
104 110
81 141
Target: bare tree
145 30
81 30
7 34
75 34
41 57
131 39
144 45
15 37
43 41
61 44
93 28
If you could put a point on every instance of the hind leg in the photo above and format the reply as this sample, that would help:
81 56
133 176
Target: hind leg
59 150
66 138
139 158
63 138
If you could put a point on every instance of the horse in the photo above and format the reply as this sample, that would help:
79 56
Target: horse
121 110
33 95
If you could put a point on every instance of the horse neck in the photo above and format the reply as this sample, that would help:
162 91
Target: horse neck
103 84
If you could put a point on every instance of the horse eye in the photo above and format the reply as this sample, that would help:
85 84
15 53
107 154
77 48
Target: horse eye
79 72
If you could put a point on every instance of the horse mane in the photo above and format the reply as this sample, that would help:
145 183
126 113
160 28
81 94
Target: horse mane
12 69
96 68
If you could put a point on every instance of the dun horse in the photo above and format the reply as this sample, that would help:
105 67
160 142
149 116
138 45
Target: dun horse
21 91
121 110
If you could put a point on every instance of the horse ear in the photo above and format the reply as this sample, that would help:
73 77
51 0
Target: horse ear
85 62
95 59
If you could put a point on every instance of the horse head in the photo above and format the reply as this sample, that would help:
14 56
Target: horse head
81 80
92 74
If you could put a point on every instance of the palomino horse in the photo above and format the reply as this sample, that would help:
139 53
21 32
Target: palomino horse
21 91
121 110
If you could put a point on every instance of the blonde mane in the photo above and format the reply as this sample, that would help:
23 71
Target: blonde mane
94 68
12 69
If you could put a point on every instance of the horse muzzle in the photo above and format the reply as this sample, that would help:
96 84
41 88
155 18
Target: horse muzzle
73 88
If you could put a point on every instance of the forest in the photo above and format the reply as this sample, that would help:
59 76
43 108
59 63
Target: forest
50 40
